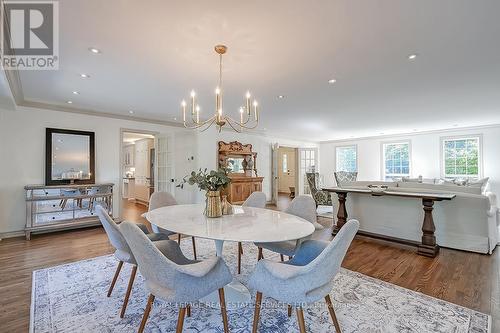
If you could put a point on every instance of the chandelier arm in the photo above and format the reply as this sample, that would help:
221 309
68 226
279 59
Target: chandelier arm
229 120
198 125
209 125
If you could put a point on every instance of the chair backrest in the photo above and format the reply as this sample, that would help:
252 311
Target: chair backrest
256 199
152 264
313 181
327 264
161 199
158 200
305 207
342 177
114 235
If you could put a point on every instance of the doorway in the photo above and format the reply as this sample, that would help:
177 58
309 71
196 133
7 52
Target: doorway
287 171
137 170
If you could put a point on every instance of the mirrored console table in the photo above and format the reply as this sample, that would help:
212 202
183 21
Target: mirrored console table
58 207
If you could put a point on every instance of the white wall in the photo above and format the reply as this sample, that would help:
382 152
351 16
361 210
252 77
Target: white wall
207 151
22 153
425 154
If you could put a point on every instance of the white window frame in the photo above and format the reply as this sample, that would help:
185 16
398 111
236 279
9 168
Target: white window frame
442 141
346 146
382 155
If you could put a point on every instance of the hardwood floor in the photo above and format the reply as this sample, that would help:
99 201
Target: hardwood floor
468 279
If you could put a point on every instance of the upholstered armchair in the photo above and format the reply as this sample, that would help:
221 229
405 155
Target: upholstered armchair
319 196
342 177
307 278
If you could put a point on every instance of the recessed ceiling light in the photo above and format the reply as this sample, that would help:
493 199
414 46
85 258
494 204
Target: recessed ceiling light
332 81
412 56
94 50
175 118
85 76
281 96
131 111
76 92
69 102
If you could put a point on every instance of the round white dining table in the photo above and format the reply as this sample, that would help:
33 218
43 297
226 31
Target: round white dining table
246 224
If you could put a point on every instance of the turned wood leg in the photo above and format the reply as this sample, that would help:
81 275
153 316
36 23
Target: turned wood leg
282 257
256 315
117 272
151 299
300 320
194 247
260 255
289 310
428 247
180 319
342 212
222 300
188 310
240 247
332 313
179 238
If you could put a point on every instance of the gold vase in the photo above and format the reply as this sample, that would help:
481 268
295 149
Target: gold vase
213 204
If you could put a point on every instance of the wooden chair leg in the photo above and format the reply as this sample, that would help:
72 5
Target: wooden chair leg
117 272
222 300
194 247
188 310
332 313
179 238
151 299
256 315
129 290
289 310
180 319
300 320
239 258
260 255
240 247
282 258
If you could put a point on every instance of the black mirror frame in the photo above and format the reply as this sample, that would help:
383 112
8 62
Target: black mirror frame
48 157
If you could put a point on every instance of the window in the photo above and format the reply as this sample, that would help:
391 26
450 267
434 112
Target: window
461 157
346 159
396 160
285 163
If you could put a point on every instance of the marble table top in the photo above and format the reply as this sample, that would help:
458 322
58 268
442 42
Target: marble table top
247 224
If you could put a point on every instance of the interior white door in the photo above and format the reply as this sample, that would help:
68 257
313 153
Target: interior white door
164 166
308 162
274 175
286 169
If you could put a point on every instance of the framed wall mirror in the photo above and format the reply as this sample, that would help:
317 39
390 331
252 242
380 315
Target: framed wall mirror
69 157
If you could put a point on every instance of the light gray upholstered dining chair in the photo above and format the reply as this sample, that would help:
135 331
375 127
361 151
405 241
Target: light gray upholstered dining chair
172 277
257 200
302 206
305 279
163 199
123 252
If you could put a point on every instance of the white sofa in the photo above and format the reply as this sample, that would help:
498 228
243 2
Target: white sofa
468 222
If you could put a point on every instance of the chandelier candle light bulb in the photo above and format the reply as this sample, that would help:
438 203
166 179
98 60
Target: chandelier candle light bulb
218 118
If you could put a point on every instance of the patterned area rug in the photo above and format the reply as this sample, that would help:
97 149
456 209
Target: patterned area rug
72 298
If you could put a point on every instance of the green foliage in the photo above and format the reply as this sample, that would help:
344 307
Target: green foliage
207 181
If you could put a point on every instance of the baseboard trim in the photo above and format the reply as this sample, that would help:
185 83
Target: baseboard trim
12 234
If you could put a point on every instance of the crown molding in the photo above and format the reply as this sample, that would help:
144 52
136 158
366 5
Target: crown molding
404 135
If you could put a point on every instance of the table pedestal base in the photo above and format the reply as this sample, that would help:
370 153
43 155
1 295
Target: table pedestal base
237 295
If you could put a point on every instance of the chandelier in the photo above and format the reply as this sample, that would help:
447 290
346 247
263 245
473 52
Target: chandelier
249 119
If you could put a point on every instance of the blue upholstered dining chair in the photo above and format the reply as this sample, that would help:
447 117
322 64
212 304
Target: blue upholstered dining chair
305 279
123 252
257 200
173 278
163 199
302 206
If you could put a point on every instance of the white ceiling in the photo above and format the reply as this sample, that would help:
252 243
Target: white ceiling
155 52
